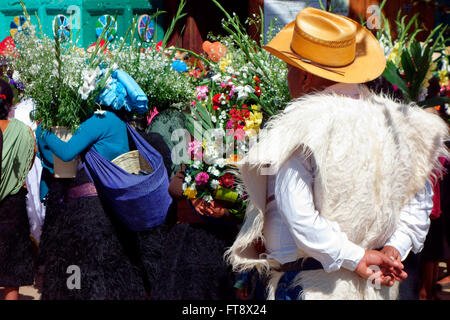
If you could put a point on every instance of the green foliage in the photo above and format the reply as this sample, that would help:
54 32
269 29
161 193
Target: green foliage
410 63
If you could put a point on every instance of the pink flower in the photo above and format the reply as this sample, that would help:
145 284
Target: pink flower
195 149
232 90
202 92
239 134
152 114
202 178
395 87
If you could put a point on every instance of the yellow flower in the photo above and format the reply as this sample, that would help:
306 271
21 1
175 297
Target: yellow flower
429 75
190 193
255 107
443 77
253 122
225 62
394 56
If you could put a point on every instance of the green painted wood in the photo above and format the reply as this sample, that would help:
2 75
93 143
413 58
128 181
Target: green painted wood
83 14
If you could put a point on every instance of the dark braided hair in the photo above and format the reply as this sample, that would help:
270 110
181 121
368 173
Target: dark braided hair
6 97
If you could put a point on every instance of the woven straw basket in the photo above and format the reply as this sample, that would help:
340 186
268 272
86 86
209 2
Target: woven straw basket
132 162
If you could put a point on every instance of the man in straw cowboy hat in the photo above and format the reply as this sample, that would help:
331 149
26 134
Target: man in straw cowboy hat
338 182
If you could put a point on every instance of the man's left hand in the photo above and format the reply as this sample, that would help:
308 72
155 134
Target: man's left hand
393 254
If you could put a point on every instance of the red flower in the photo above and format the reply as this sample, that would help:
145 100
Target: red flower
196 73
219 100
227 181
257 79
158 46
258 91
216 99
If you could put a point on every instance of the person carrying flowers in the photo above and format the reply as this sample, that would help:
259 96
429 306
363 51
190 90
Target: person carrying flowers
82 229
338 183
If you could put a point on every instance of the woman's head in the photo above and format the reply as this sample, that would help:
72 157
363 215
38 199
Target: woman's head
6 99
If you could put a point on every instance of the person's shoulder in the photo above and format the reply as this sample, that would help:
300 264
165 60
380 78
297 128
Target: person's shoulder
19 123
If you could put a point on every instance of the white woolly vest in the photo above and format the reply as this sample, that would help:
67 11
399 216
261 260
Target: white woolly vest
373 155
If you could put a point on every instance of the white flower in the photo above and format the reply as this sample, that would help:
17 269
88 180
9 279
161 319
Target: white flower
84 92
214 119
216 77
208 198
193 186
214 171
188 179
100 112
243 91
184 186
196 164
16 76
221 162
229 70
89 76
214 183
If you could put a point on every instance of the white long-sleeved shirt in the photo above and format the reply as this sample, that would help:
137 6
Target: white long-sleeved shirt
293 223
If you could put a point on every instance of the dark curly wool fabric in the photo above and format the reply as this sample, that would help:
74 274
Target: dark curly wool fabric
81 233
192 264
16 247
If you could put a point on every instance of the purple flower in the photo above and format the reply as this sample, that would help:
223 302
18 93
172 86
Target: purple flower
202 178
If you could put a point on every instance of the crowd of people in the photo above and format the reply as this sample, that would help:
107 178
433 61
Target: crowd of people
342 187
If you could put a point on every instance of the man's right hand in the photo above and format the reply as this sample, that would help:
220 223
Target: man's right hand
388 268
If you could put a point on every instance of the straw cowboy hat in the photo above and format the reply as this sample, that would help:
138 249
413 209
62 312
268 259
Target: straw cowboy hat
330 46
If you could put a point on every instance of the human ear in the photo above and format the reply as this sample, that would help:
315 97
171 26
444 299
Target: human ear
307 82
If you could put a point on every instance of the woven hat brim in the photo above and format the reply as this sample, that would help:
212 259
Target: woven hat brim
369 62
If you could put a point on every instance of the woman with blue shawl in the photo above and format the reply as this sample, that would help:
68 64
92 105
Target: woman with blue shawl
80 233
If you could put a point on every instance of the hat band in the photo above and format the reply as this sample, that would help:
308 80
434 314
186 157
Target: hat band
330 44
316 64
327 53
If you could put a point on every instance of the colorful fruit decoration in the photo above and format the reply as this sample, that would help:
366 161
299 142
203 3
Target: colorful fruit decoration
19 24
62 24
146 27
102 23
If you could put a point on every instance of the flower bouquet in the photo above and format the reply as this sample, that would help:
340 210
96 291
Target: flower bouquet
62 79
241 86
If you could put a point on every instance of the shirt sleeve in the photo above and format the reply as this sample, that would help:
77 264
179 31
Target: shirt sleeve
413 224
83 138
315 235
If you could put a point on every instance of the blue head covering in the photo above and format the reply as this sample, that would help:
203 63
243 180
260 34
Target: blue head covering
179 66
123 92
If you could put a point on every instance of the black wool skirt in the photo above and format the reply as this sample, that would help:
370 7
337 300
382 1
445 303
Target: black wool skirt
192 266
86 253
16 246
